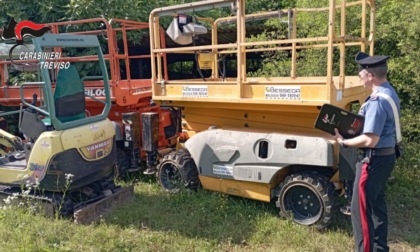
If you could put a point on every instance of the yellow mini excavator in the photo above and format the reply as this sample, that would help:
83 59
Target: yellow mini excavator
65 158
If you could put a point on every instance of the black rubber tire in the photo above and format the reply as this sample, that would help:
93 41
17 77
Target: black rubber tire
177 170
123 164
308 198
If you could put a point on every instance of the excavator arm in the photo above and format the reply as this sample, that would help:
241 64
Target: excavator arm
10 144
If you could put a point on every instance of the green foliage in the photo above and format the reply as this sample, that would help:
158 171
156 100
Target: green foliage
16 78
410 122
131 9
42 11
271 63
398 35
311 61
261 6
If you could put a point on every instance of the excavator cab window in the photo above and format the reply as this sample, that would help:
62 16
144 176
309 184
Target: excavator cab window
69 95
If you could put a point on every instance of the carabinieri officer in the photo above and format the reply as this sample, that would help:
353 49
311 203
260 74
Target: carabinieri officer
369 212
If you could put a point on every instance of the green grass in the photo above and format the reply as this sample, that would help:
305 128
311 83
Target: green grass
210 221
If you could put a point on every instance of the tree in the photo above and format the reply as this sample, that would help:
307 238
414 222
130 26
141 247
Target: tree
398 35
41 11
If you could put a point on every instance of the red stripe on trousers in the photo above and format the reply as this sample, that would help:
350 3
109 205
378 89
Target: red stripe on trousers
362 204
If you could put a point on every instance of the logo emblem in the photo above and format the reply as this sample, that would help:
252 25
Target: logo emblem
19 31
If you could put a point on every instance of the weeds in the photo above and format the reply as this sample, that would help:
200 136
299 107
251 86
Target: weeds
31 197
69 180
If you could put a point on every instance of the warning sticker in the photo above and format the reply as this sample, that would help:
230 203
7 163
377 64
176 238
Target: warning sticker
195 91
223 170
282 92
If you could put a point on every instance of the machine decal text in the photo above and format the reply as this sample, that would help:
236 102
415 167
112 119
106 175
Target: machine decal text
95 92
282 92
223 170
98 145
36 167
195 91
98 135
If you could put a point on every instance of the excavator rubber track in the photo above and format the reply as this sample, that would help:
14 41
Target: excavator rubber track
47 206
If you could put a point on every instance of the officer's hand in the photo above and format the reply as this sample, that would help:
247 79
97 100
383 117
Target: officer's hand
337 135
339 138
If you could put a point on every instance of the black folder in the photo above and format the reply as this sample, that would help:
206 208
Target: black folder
348 124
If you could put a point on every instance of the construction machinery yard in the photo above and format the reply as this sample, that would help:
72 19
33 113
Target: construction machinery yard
216 125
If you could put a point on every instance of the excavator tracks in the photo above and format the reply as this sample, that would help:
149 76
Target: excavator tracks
52 205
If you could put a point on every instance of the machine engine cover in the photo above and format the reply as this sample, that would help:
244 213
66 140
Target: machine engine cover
255 156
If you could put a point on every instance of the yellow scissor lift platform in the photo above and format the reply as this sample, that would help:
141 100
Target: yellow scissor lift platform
277 112
285 94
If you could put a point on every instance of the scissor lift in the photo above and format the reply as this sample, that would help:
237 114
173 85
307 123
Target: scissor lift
254 136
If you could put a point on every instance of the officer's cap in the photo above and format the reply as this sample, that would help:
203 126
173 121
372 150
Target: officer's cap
365 61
